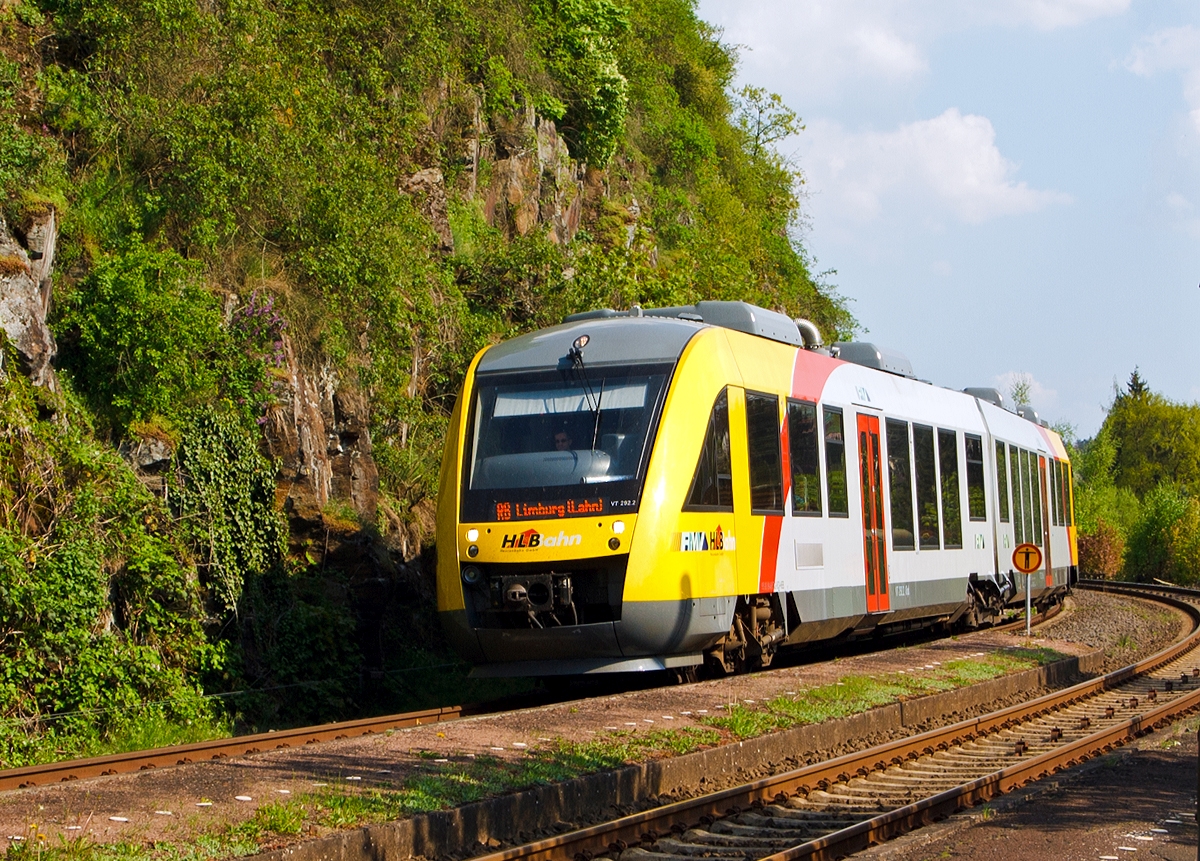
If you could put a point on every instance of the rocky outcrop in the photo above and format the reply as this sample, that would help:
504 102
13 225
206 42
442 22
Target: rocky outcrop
533 179
318 431
428 188
26 265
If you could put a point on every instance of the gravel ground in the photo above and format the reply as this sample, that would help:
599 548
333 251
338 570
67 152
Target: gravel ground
180 803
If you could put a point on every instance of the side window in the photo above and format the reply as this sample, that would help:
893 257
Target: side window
976 501
1020 485
835 462
1052 477
927 494
1069 513
1002 479
900 485
951 491
712 486
1035 497
1059 507
766 460
804 441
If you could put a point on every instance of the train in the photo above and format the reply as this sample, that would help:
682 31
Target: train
705 485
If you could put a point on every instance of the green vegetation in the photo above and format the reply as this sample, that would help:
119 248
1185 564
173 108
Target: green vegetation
232 188
855 694
1137 490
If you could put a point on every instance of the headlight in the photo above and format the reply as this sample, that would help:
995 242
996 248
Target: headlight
472 575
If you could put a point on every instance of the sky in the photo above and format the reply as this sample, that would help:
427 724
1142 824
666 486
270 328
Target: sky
1001 188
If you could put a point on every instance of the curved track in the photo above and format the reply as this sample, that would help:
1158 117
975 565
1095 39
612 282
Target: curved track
163 757
831 809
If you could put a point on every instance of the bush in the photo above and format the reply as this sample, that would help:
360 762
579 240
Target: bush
1101 552
1148 550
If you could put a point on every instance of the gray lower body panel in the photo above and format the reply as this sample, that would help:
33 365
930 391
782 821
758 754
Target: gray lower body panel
650 635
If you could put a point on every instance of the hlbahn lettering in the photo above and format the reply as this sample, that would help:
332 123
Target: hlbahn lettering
531 538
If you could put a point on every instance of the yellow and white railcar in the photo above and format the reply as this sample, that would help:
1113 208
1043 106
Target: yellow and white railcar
649 489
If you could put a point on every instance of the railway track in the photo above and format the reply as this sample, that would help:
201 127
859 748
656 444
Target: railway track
164 757
831 809
120 763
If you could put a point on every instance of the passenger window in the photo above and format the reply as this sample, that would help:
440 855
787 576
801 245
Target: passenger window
804 448
1035 497
1069 513
1053 477
835 463
712 486
1002 480
976 501
766 460
951 491
927 495
900 485
1058 487
1020 494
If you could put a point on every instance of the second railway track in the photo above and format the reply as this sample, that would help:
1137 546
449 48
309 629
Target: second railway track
831 809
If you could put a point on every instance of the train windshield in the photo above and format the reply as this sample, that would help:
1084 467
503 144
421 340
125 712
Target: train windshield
561 436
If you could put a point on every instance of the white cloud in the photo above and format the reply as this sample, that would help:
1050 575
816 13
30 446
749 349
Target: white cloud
818 46
1053 14
1174 49
950 162
1042 398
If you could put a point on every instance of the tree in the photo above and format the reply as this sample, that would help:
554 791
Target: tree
764 118
1020 388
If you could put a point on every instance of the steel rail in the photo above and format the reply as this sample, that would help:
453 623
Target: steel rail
903 819
647 826
118 763
163 757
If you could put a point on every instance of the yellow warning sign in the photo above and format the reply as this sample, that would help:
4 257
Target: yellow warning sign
1027 558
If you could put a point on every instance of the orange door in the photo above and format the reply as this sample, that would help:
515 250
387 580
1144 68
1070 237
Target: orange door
874 547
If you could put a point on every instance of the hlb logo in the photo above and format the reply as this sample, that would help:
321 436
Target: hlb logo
531 538
698 541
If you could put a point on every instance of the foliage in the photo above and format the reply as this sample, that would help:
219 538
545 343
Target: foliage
1101 550
224 497
1156 440
1135 486
1150 538
101 633
228 183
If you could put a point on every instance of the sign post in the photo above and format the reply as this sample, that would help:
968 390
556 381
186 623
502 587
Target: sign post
1027 558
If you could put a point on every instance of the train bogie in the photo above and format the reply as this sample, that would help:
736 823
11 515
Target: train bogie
652 489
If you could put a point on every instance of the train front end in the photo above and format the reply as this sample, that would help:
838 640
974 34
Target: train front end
541 483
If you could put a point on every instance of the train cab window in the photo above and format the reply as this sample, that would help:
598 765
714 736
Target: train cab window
835 463
712 486
766 459
804 450
900 485
976 501
951 491
1002 480
925 461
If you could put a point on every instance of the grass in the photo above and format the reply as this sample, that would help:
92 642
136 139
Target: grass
438 786
854 694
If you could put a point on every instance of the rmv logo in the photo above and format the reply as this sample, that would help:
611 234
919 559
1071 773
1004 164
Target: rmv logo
698 541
